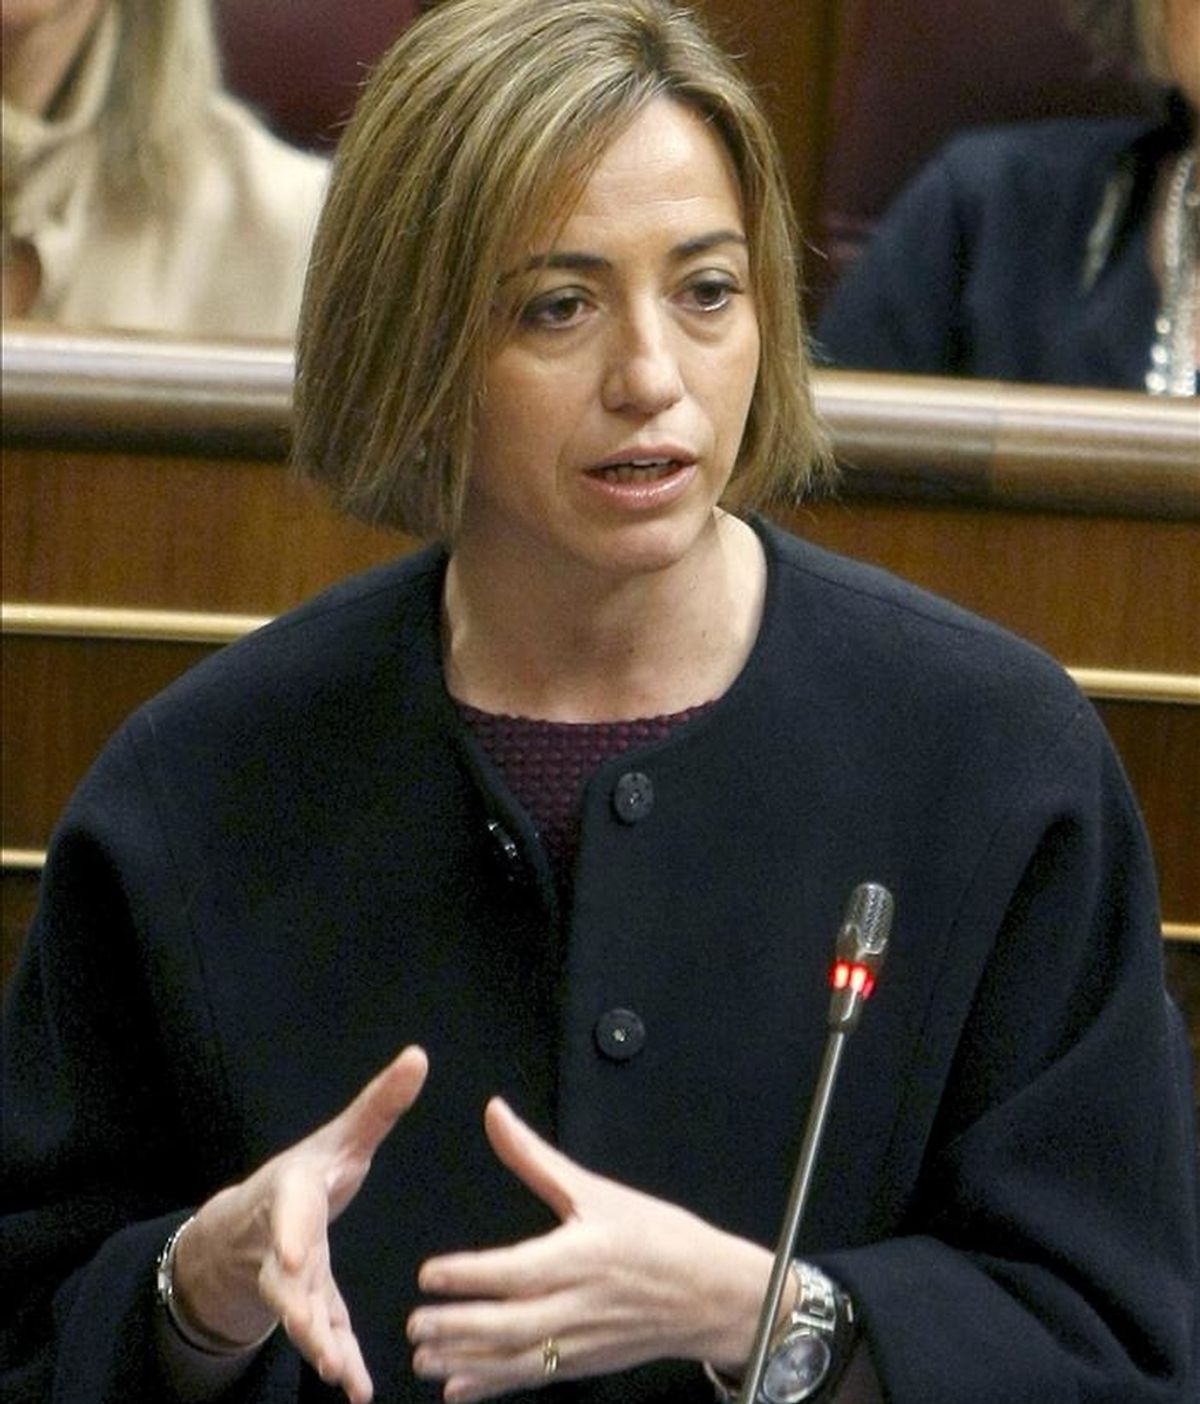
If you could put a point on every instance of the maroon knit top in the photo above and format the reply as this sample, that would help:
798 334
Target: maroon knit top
547 763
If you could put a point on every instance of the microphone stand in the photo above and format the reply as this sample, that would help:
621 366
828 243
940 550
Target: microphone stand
861 947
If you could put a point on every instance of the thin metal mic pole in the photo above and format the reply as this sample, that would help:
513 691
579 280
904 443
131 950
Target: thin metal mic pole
861 946
791 1219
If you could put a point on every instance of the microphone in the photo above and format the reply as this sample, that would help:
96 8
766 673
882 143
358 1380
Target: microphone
861 947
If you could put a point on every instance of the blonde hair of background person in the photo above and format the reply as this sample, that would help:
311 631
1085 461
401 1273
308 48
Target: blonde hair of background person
145 196
165 67
433 184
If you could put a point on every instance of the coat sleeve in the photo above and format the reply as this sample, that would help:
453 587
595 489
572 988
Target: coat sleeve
1051 1250
97 1159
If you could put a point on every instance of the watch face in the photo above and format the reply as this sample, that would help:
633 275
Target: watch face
796 1369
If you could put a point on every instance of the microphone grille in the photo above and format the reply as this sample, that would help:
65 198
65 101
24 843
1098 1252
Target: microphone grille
870 910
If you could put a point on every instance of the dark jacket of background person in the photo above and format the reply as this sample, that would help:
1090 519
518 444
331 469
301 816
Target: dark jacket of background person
293 861
1019 253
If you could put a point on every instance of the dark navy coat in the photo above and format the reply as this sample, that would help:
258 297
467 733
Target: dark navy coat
286 867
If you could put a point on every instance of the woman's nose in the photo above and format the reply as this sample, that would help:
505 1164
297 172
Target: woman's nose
643 375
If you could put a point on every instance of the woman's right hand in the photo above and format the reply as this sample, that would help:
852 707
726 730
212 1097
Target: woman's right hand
258 1251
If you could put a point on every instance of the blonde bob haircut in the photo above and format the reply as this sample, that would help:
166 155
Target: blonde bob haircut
475 133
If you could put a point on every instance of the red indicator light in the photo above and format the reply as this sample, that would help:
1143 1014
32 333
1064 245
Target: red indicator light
857 978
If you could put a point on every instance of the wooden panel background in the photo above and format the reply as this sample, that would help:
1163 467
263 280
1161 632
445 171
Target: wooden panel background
1093 589
789 50
148 530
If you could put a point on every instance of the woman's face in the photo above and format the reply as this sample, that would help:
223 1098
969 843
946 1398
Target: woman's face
612 414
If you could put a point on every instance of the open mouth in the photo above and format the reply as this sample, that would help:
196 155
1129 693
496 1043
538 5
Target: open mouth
636 470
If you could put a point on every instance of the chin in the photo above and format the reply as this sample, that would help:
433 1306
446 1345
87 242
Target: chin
647 548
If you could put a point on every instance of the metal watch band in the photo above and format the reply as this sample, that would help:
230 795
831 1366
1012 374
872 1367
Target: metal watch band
817 1301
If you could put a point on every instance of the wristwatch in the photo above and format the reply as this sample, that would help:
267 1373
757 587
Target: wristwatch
810 1350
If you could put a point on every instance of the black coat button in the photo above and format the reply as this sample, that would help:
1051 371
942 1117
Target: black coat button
620 1035
633 797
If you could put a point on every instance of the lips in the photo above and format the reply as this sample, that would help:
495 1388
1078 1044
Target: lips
636 470
644 467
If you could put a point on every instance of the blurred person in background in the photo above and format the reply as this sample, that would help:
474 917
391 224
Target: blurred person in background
137 194
1061 252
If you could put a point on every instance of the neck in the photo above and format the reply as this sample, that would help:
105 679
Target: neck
38 55
604 650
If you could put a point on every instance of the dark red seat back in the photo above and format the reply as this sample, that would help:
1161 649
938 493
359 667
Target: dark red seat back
300 64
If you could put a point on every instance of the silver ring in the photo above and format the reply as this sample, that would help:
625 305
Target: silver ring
550 1357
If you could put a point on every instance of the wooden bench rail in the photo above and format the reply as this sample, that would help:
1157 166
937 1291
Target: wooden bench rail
1023 446
969 442
211 399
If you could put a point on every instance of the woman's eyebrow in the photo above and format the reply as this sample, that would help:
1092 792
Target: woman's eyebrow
703 242
560 258
579 262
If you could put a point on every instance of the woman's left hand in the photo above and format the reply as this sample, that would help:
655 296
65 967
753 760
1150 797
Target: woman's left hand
624 1279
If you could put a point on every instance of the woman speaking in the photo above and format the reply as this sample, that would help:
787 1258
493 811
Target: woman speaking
427 991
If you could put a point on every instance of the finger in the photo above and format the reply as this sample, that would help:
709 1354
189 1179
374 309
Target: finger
354 1377
553 1177
295 1278
472 1328
529 1269
359 1128
318 1325
485 1375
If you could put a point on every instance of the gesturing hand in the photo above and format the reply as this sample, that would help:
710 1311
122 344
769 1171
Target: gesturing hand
259 1250
625 1278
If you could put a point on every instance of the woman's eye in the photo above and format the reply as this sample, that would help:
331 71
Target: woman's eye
556 309
711 294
